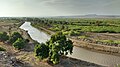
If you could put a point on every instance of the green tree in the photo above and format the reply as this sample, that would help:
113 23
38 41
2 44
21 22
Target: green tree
57 46
41 51
14 37
55 58
19 43
72 33
3 36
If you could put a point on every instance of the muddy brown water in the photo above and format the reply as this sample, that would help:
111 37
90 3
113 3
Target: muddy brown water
78 53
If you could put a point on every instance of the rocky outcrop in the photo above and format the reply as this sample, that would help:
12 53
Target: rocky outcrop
9 61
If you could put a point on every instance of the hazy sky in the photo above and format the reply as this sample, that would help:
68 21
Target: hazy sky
58 7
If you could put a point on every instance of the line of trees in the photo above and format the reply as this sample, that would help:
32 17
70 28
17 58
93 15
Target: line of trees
15 39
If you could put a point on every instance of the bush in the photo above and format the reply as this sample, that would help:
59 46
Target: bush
19 43
71 33
66 33
3 36
2 49
74 33
41 51
57 46
14 37
82 37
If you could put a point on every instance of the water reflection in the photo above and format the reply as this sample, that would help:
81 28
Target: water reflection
35 33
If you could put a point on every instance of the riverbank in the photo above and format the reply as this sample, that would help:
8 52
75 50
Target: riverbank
72 62
112 50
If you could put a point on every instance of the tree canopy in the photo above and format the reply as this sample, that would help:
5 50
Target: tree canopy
57 46
41 51
19 43
15 36
3 36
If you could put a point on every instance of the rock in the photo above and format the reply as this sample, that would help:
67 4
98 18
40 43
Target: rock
10 62
1 53
13 59
6 56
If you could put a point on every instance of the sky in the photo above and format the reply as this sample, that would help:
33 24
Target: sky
38 8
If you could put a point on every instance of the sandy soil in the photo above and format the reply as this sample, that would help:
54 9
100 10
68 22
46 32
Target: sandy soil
104 36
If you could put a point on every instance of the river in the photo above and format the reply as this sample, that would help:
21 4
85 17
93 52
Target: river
78 53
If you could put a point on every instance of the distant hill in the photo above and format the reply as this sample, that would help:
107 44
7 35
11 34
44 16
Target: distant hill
71 16
90 16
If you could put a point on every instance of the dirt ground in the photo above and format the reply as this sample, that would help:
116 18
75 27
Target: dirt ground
104 36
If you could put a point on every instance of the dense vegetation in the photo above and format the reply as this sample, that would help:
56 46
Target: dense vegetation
11 19
57 46
42 51
75 26
15 39
79 27
19 43
99 25
3 36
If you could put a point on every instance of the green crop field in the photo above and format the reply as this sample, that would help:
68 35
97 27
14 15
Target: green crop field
78 25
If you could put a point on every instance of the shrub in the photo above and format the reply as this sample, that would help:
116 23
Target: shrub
41 51
82 37
19 43
4 36
14 37
57 46
2 49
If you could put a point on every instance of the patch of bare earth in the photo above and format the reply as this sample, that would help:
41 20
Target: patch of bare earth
104 36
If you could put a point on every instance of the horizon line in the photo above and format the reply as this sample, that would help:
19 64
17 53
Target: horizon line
67 15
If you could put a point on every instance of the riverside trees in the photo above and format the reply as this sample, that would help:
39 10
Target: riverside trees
15 39
18 41
57 46
42 51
